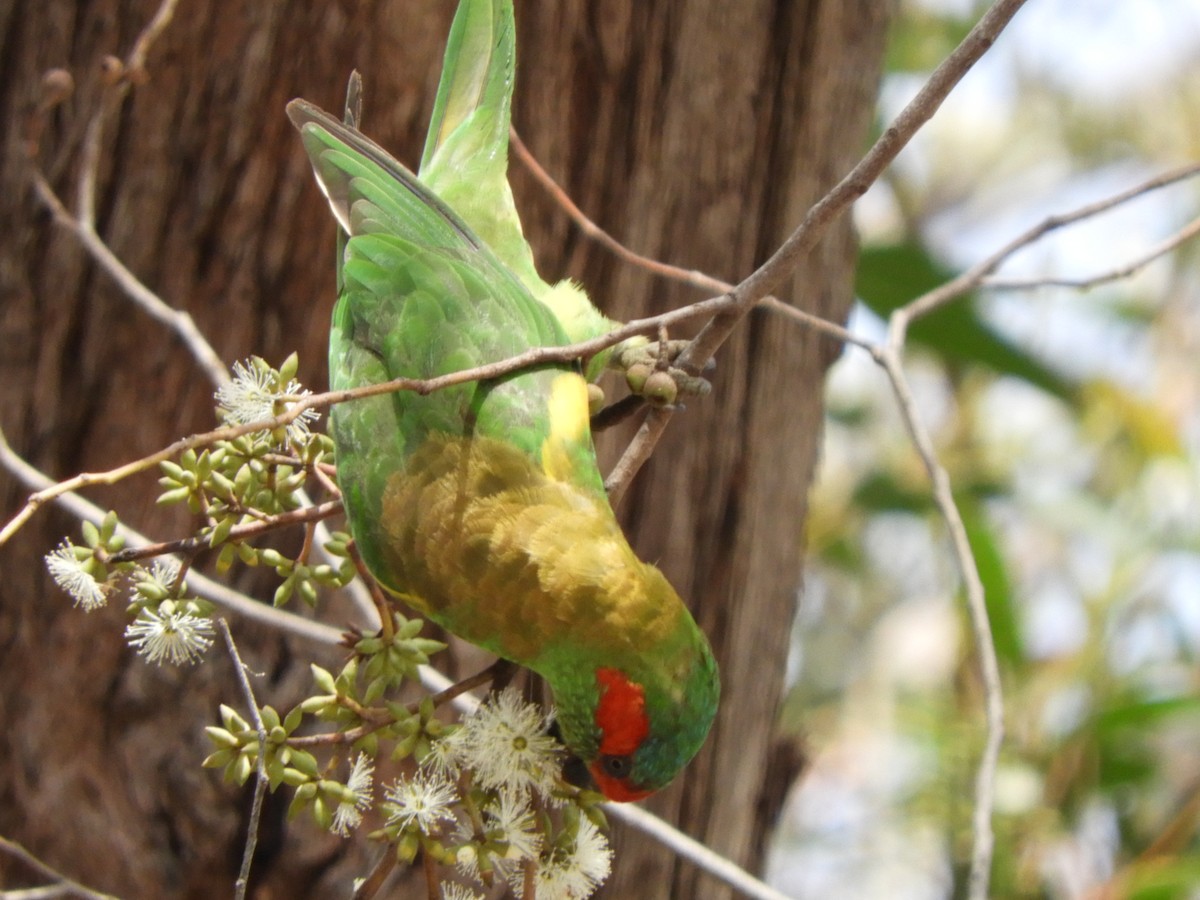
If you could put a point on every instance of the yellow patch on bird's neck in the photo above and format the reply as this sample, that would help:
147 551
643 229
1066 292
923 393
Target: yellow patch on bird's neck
569 423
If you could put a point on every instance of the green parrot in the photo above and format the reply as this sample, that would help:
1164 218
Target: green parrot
482 506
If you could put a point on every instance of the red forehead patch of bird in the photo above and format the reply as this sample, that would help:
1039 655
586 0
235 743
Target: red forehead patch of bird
620 714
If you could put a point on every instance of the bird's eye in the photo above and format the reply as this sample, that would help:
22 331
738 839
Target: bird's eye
616 766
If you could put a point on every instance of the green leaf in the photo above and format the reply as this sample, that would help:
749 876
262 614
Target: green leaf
997 589
921 38
1163 879
1144 713
890 276
881 492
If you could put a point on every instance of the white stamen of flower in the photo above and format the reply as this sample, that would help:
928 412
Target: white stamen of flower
421 801
444 755
506 745
179 638
348 816
69 574
568 876
251 397
466 857
513 818
165 571
593 856
459 892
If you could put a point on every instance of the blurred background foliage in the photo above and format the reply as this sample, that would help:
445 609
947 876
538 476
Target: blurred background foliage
1069 422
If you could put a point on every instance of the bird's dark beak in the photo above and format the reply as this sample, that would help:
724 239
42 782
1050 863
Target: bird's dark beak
574 769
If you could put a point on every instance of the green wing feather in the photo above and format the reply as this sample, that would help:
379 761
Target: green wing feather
466 156
422 296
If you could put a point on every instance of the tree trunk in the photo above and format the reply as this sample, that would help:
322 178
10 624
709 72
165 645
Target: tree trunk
695 132
699 133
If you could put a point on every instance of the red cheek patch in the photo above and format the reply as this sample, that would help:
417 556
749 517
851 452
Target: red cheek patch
620 714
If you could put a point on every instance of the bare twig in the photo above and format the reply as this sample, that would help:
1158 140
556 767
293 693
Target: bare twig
379 873
196 543
128 73
943 495
62 885
972 277
176 320
382 605
1125 270
693 851
260 780
136 60
432 881
532 357
590 229
83 225
824 212
692 277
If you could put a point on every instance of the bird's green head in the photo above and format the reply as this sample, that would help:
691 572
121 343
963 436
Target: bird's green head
638 718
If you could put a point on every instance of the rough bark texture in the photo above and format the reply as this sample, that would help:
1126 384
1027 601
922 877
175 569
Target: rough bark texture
697 132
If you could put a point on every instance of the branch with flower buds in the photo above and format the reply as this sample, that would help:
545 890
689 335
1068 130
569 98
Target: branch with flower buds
430 679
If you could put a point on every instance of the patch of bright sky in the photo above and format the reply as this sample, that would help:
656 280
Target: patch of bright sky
989 175
839 815
1100 46
1103 48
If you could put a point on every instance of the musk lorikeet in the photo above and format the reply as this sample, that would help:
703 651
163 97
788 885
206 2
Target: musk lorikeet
482 505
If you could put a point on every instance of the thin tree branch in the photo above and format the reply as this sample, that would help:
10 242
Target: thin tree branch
62 884
973 276
178 321
260 780
380 871
531 357
691 277
943 496
196 543
693 851
825 211
1132 267
591 230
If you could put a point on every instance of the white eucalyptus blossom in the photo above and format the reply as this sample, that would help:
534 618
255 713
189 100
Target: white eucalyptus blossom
459 892
444 755
506 744
516 823
165 634
420 802
572 875
165 571
252 396
68 572
348 815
